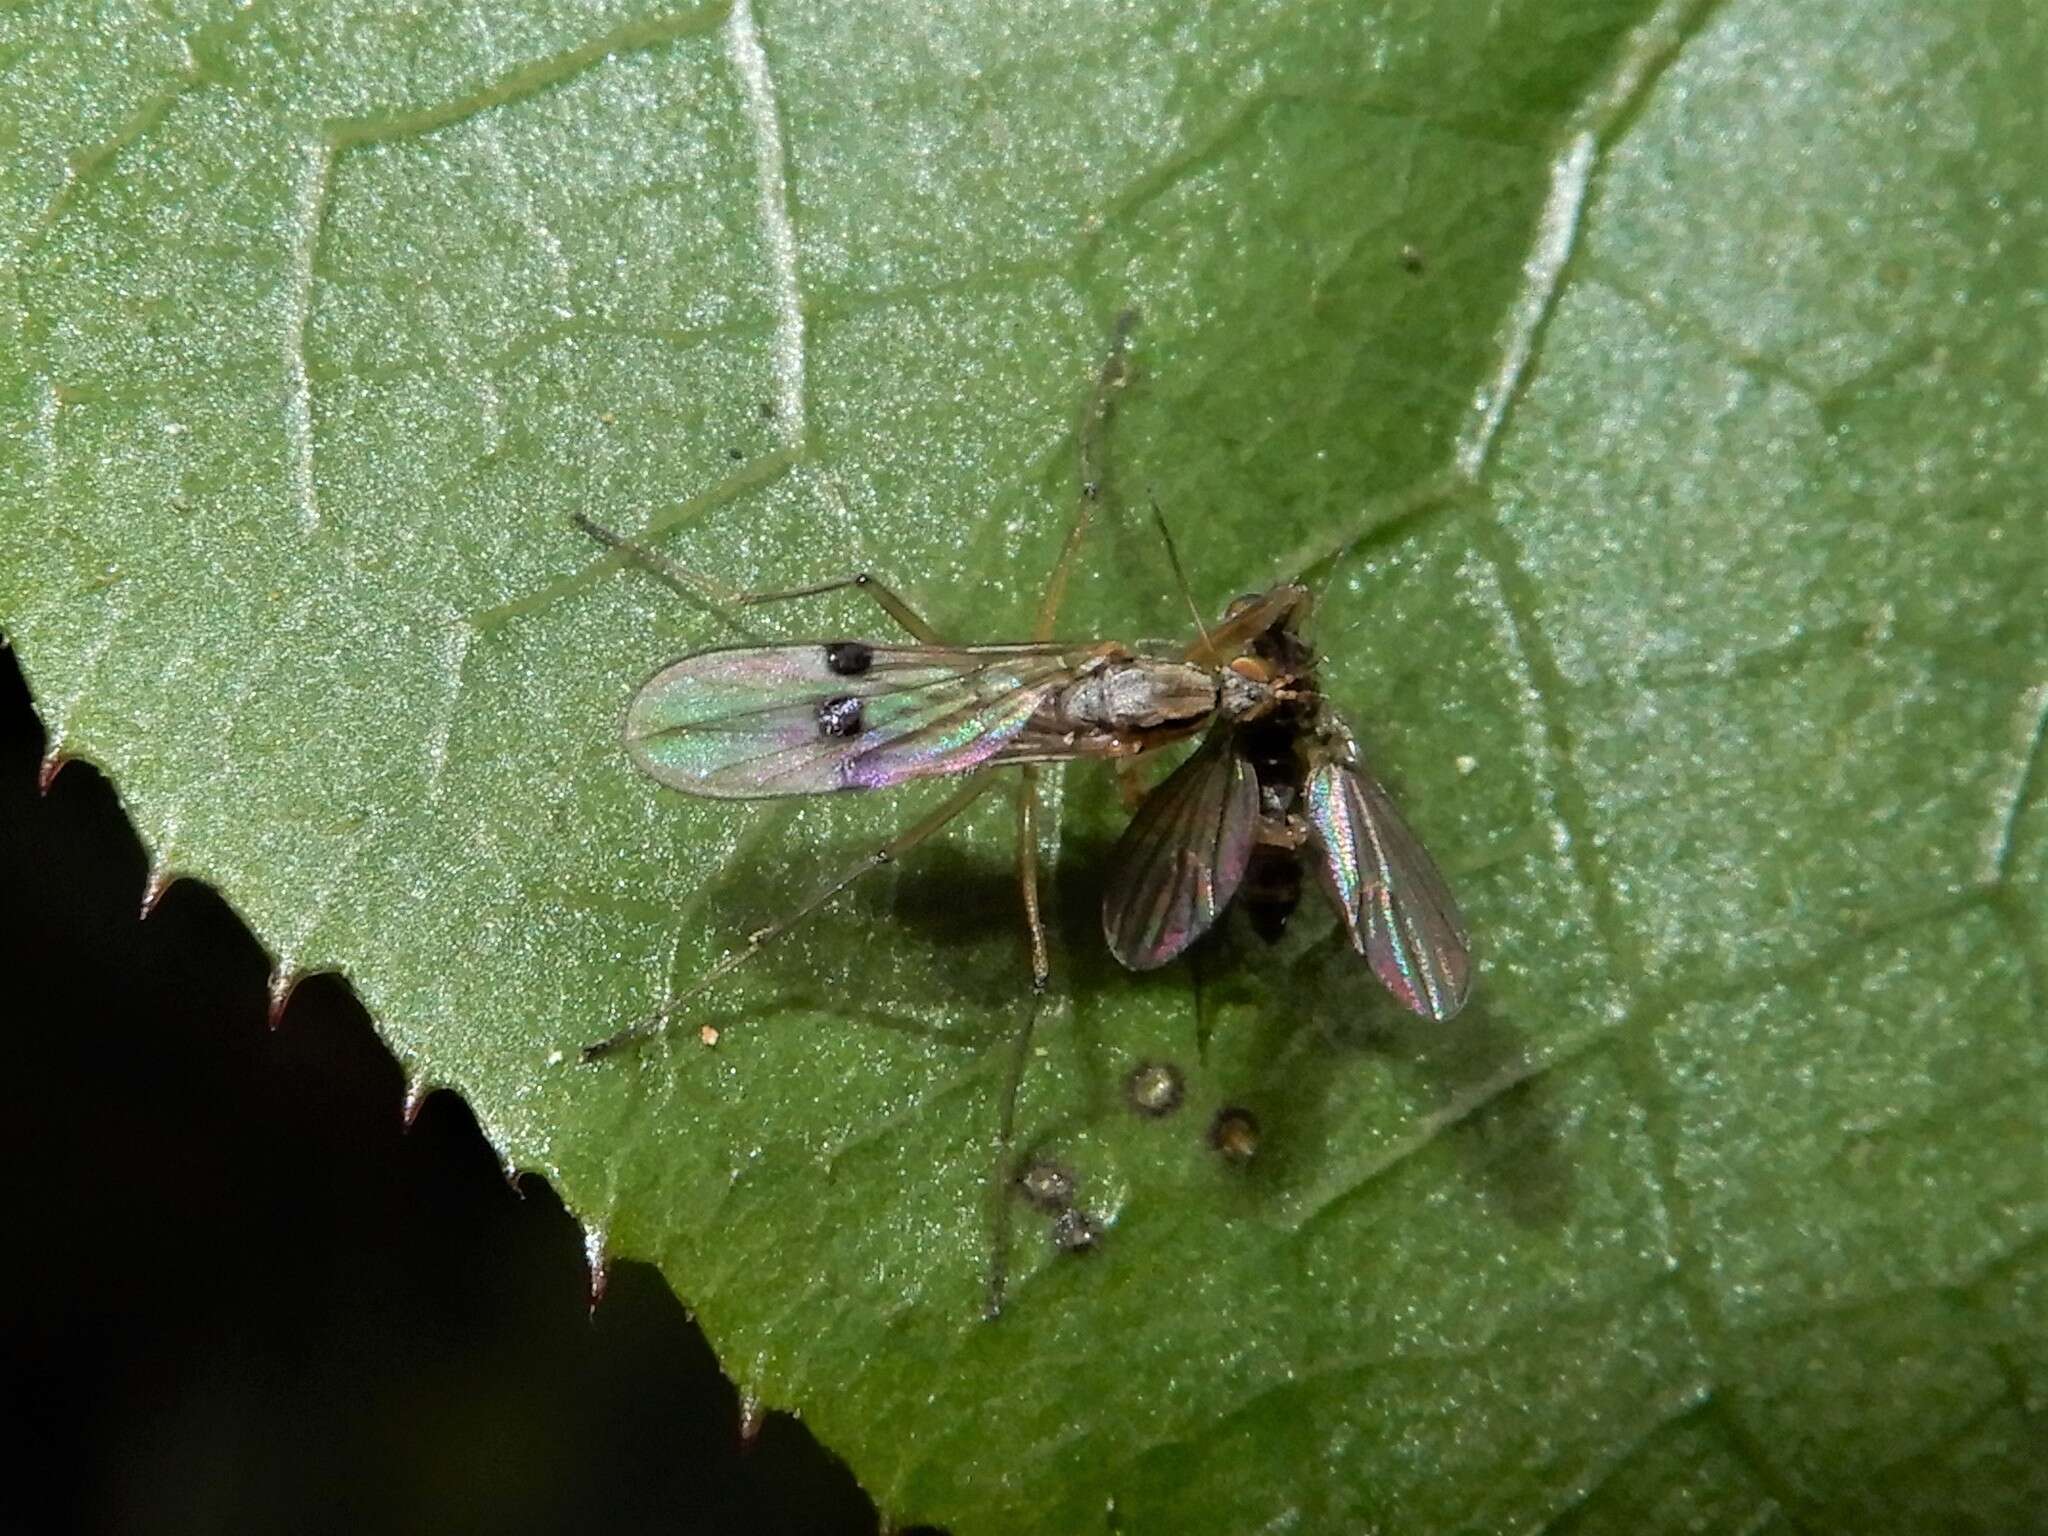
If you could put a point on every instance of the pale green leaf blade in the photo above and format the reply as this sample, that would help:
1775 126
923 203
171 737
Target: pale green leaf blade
1654 393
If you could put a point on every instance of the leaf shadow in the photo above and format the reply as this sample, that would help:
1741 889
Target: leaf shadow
937 908
1474 1081
1318 1014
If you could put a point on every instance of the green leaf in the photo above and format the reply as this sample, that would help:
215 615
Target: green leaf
1657 397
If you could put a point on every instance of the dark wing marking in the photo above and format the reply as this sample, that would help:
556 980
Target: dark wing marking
1386 888
750 722
1182 857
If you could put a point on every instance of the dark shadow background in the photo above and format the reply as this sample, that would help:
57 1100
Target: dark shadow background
239 1295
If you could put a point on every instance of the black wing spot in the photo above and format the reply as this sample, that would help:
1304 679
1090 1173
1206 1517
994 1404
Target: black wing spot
849 658
840 716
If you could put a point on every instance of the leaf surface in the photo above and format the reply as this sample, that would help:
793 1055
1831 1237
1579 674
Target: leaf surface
1655 394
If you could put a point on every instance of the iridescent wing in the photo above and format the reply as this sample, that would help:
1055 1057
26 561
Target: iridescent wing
1393 902
1182 857
750 722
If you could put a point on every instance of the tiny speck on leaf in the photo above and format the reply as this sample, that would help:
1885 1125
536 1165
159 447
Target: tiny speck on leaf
1047 1184
1076 1232
1234 1133
1155 1088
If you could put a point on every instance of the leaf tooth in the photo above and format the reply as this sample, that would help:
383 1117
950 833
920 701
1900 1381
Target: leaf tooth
752 1416
161 878
598 1263
53 763
285 977
416 1090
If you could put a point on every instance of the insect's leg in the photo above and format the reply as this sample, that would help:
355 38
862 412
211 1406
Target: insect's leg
898 845
1027 874
697 590
1020 1050
1130 783
861 581
1094 424
706 593
1115 374
906 616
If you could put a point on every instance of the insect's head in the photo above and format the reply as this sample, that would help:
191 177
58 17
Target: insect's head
1278 645
1243 693
1253 687
1290 603
1243 603
1275 664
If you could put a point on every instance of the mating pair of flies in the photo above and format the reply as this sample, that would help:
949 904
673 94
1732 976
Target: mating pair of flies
1276 783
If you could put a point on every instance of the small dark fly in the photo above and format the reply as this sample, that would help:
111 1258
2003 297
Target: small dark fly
1278 783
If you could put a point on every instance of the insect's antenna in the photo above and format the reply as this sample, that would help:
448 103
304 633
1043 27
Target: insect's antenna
687 584
1180 576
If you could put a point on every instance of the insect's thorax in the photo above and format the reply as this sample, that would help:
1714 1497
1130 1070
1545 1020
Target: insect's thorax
1281 742
1134 697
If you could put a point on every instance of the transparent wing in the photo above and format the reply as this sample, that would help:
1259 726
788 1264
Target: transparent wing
1182 857
1388 891
749 722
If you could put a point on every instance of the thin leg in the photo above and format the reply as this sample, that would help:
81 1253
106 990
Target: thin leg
1201 1013
686 584
900 844
1020 1049
861 581
1094 421
1130 782
1094 427
999 1257
1027 873
706 593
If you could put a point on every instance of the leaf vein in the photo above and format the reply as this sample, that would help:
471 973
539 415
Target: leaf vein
778 232
642 35
309 215
1645 52
2031 732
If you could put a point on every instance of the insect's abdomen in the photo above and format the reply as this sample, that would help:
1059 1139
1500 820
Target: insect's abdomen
1272 884
1271 890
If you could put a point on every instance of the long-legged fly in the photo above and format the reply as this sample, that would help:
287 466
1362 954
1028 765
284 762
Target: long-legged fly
1276 780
